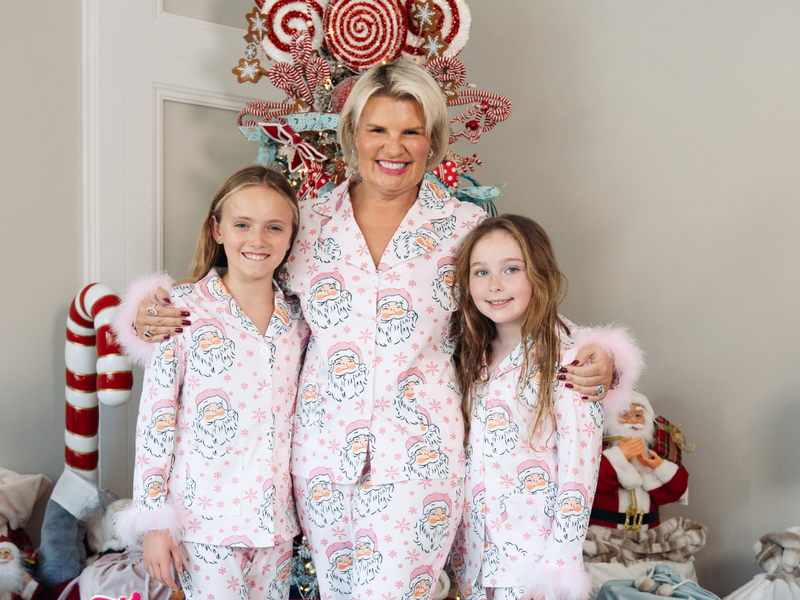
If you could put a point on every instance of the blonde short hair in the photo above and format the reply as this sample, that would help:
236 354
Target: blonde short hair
401 79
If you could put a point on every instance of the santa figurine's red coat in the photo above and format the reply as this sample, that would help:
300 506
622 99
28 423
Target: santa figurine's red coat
653 487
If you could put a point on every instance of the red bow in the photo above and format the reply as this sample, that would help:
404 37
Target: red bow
301 154
316 179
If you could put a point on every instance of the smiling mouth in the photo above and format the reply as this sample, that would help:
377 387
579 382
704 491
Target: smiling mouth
498 303
394 166
259 257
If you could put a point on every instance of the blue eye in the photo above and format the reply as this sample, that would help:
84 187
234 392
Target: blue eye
480 273
513 270
240 225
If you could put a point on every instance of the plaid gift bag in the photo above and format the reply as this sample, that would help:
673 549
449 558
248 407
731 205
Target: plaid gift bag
670 443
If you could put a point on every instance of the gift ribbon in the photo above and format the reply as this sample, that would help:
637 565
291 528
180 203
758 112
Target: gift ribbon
300 153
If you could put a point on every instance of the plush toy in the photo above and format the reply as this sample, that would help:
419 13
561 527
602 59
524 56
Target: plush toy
15 581
639 470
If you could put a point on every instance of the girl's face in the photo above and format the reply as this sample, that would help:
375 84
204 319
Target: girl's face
498 280
256 231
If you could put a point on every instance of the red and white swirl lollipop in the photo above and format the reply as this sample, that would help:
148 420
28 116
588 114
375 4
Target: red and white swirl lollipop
285 18
362 33
454 26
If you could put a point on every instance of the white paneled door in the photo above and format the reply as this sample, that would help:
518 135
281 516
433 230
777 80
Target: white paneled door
159 136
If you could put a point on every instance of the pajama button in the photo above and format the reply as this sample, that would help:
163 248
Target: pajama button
264 351
266 428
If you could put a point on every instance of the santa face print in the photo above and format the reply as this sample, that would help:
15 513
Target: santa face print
329 302
256 231
392 147
396 320
571 518
498 281
166 364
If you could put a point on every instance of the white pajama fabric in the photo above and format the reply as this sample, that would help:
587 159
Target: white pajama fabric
228 573
527 504
392 537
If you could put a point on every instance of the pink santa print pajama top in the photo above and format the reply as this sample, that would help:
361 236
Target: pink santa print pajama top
377 375
528 507
214 428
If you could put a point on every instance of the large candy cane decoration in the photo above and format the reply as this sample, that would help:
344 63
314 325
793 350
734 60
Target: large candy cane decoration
103 375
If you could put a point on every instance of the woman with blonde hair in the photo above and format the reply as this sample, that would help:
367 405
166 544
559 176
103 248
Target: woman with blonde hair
378 442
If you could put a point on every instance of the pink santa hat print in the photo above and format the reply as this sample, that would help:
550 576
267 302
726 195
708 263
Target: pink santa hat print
342 349
203 326
398 296
436 500
412 375
163 407
533 467
212 396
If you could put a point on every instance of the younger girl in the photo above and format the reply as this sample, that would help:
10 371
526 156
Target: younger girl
211 485
533 443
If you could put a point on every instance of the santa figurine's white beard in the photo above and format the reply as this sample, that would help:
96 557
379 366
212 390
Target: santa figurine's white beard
646 432
406 408
570 528
211 554
326 511
331 311
367 568
341 578
374 500
11 575
443 295
152 503
395 330
501 440
310 411
213 435
266 518
166 370
491 557
431 537
435 469
213 360
351 463
159 443
349 384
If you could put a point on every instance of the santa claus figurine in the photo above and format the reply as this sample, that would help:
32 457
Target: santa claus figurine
634 480
15 581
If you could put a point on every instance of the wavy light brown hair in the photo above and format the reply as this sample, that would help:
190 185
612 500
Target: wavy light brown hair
541 329
209 253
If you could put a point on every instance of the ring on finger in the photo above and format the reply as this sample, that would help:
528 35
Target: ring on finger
152 311
147 333
599 390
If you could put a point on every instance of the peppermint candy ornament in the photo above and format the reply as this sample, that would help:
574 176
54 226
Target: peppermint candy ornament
286 18
362 33
450 32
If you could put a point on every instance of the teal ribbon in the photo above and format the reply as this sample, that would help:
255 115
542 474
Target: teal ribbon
313 121
480 195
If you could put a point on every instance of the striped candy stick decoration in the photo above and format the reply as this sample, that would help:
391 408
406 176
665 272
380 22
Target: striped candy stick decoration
96 370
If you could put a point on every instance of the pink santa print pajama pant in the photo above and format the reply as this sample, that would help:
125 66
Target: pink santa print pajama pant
374 541
236 573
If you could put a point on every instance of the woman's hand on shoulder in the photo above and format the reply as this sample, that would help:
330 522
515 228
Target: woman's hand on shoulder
157 551
157 319
591 368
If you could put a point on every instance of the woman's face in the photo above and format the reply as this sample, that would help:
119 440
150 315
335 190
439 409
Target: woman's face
392 146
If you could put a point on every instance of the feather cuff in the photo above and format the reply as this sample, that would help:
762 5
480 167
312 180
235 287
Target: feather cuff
617 342
132 523
558 583
138 350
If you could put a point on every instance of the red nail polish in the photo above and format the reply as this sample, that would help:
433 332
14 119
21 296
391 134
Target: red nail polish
186 313
574 363
569 385
179 330
562 370
584 397
562 377
167 301
185 322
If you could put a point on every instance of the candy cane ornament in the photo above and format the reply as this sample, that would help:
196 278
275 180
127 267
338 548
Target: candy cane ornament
96 370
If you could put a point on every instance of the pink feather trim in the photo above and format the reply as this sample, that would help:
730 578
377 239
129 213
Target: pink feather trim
138 350
616 341
557 583
131 524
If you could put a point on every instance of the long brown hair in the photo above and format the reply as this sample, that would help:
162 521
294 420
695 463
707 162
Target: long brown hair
211 254
541 329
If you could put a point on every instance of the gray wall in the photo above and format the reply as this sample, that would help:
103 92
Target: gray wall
40 182
657 143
